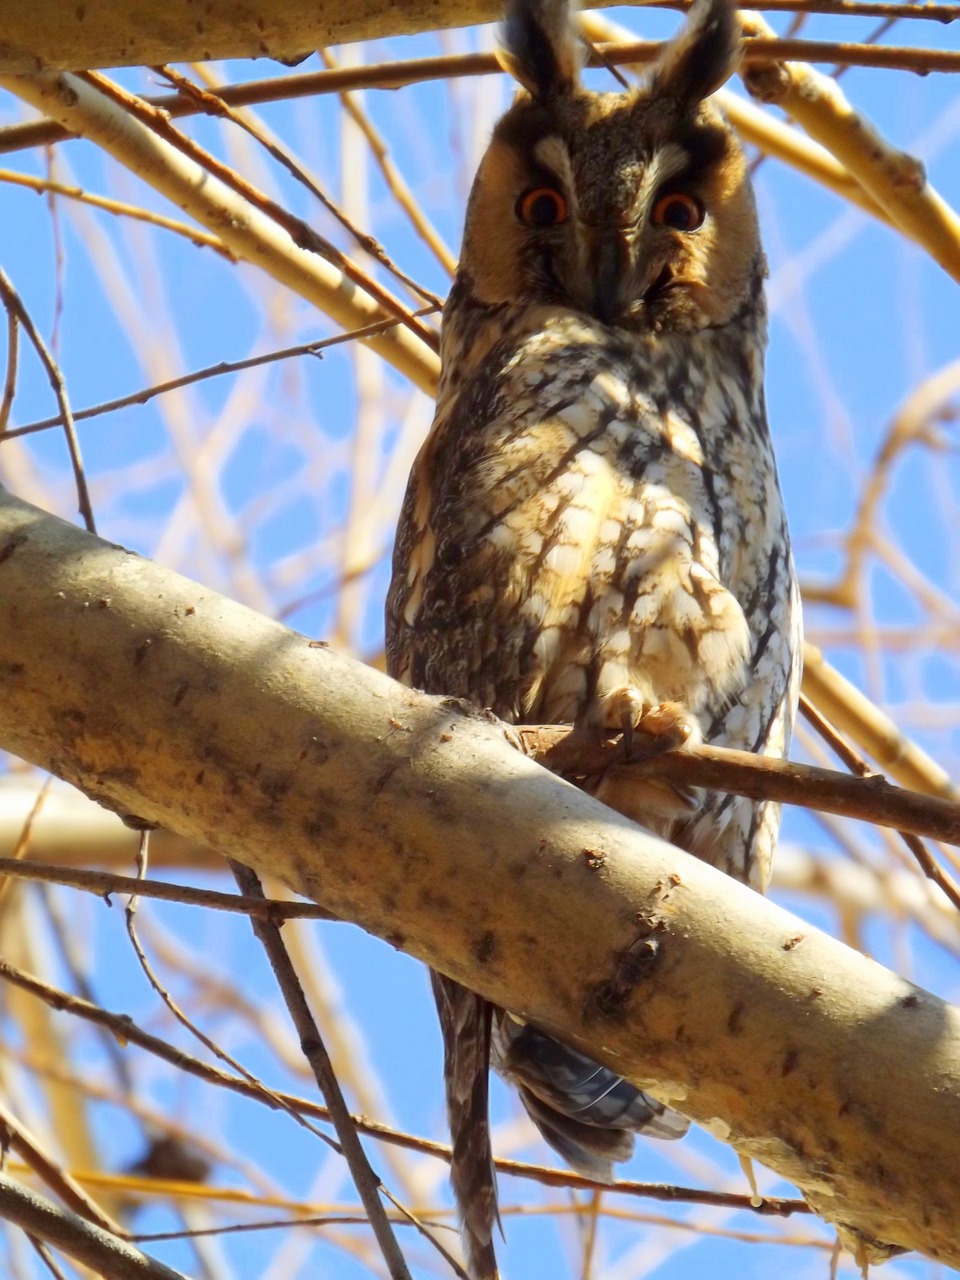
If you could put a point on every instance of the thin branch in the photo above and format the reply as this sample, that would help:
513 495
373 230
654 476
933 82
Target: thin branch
872 729
10 378
119 208
130 912
895 180
861 769
105 883
45 1166
106 1254
47 1258
299 231
123 1027
250 234
216 371
393 177
15 306
872 799
212 104
834 740
399 74
311 1041
930 867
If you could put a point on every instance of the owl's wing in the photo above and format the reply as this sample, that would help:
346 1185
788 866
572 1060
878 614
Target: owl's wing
465 1020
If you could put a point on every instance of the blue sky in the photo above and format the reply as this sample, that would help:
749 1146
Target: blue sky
246 483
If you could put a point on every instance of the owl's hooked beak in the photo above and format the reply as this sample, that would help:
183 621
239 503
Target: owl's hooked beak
624 277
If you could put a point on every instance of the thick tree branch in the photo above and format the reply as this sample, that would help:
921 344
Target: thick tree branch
417 820
90 108
51 35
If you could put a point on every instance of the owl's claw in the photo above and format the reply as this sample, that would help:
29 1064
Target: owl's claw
668 727
664 727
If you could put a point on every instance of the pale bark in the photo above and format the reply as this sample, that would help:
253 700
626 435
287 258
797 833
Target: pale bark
246 231
51 35
415 819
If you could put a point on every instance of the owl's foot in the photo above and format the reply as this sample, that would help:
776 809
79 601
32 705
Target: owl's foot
663 727
666 727
648 729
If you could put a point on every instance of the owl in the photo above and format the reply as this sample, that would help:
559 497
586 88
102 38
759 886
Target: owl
593 532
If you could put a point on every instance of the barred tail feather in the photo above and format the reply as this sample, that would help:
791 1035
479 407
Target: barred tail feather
465 1020
586 1112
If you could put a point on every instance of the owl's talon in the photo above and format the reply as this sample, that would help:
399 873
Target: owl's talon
666 728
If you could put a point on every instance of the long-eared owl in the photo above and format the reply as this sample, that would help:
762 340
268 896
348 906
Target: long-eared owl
593 532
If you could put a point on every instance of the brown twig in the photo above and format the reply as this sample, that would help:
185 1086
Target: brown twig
392 176
396 75
212 104
15 306
834 740
10 378
858 766
119 208
300 233
130 912
871 799
871 729
104 883
105 1253
33 1153
366 1181
124 1028
215 371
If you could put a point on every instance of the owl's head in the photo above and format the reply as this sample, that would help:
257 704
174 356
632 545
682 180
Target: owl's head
635 208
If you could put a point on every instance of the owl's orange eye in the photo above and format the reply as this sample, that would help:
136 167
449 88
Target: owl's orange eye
542 207
679 211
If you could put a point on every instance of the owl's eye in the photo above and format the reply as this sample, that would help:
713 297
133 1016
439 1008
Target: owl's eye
542 207
679 211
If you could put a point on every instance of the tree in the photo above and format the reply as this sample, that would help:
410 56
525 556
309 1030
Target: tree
322 566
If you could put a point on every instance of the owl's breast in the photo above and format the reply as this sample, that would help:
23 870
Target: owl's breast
588 507
591 517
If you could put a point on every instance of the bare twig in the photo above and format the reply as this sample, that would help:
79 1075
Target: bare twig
393 177
107 1254
249 233
45 1166
105 883
210 103
366 1181
395 75
872 799
118 207
14 305
127 1031
871 729
216 371
130 913
300 233
861 769
895 180
10 378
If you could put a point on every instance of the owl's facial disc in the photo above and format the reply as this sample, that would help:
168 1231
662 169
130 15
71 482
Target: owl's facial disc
615 206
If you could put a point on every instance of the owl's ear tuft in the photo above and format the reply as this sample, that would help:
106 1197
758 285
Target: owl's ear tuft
703 56
540 46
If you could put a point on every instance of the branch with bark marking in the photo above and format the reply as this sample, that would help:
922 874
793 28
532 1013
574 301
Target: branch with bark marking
417 820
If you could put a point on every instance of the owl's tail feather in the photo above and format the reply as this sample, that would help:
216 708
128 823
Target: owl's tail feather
586 1112
465 1020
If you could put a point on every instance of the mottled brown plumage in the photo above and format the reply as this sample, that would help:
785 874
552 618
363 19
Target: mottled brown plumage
593 532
